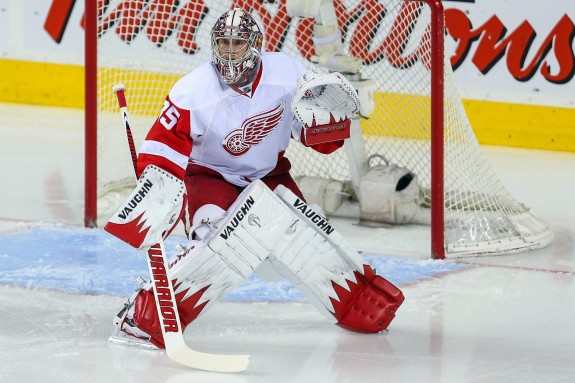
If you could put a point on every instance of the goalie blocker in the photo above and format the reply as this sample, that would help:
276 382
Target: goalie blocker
152 211
283 231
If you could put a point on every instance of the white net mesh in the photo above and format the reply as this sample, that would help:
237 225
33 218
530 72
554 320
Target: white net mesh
149 44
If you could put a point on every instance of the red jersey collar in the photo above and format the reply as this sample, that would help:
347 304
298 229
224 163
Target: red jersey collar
254 84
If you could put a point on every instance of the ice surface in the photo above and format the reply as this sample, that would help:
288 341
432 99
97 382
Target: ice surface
489 319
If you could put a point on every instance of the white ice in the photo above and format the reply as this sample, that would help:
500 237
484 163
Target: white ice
496 319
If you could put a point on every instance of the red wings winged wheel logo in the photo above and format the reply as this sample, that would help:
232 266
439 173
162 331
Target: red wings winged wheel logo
253 130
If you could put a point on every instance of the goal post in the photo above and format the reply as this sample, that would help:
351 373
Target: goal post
418 123
90 113
437 43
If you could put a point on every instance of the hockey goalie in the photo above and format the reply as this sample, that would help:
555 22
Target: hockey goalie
214 158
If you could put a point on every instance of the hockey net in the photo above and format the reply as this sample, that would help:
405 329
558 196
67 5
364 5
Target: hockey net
149 44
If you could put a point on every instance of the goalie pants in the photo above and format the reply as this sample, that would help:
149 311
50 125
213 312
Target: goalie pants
207 186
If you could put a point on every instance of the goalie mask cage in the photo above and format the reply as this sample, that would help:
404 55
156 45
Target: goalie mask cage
419 121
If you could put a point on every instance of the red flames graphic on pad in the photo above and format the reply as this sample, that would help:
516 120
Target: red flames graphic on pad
131 232
188 307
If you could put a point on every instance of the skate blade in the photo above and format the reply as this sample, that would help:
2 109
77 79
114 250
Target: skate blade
121 338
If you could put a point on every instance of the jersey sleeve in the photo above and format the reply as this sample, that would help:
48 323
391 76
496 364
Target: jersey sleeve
168 144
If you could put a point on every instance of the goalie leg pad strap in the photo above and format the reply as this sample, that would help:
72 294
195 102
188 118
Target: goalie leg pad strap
209 269
332 275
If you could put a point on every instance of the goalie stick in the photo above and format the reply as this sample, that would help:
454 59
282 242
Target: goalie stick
176 347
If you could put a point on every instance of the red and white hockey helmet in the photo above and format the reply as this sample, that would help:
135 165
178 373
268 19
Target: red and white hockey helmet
236 47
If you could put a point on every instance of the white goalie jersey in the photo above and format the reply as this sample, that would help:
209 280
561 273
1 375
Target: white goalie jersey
240 133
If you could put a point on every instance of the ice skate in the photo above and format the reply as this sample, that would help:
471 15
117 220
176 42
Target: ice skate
125 331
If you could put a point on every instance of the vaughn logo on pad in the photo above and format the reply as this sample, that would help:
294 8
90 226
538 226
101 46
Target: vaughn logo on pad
151 211
238 217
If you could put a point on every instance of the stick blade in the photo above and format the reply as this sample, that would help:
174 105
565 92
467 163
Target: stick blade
209 362
179 352
214 362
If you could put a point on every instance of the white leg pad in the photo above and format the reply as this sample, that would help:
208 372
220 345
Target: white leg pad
203 274
333 276
314 255
233 249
